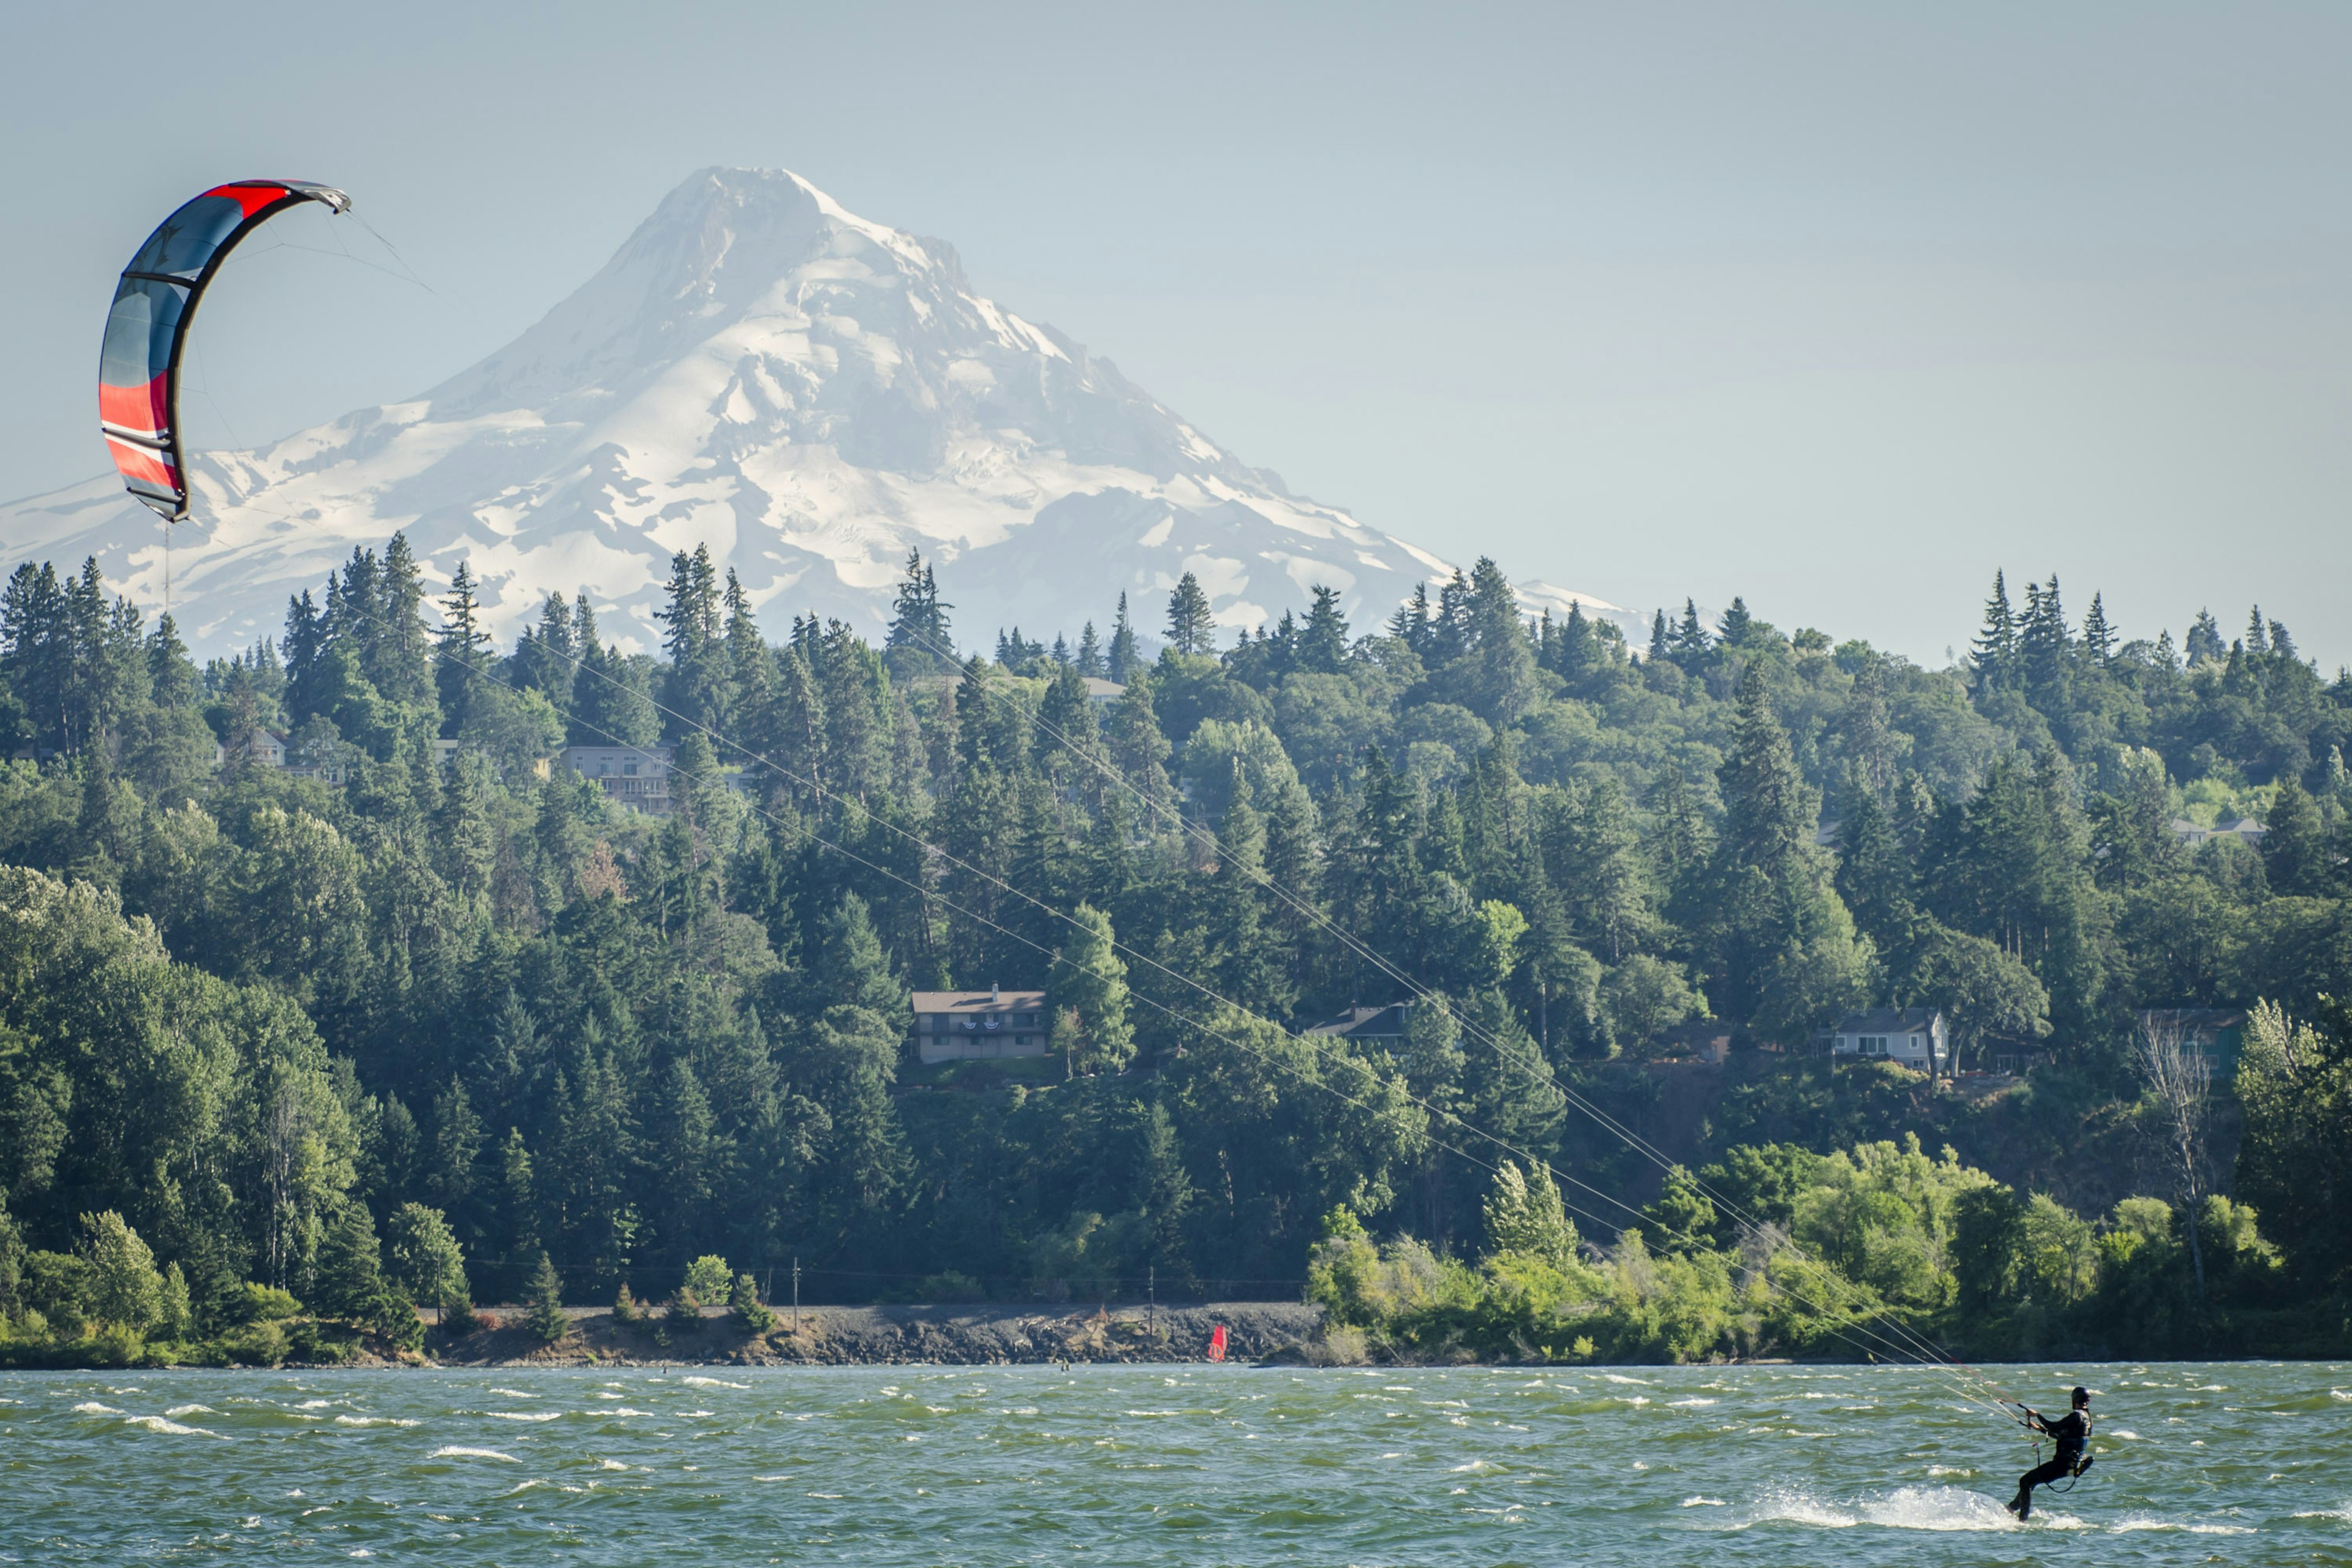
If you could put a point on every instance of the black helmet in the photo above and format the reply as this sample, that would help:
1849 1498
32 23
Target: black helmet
2082 1396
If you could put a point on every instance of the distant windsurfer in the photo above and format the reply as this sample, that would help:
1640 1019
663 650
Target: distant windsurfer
2072 1433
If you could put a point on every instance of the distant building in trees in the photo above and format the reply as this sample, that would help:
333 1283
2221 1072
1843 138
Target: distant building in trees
1368 1023
2245 830
1914 1037
2215 1032
956 1025
638 777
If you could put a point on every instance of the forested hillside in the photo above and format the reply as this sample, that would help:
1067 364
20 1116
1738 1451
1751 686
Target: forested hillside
400 1014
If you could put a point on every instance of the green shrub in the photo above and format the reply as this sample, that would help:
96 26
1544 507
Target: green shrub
749 1312
546 1319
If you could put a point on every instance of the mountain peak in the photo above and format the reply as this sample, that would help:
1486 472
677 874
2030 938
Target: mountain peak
807 392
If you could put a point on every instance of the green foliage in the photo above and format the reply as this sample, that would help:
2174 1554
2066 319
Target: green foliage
544 1315
263 1015
751 1314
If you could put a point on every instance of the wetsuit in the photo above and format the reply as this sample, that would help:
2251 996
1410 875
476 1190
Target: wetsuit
2071 1435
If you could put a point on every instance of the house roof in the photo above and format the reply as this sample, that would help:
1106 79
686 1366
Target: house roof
1388 1020
996 1001
1887 1020
1103 689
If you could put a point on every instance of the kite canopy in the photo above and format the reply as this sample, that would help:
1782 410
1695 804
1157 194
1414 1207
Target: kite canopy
139 369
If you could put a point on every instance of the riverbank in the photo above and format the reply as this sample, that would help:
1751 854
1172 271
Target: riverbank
880 1336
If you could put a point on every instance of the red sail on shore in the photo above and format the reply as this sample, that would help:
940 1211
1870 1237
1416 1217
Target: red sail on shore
1217 1344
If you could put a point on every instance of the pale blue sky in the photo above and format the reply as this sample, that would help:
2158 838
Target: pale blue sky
1836 306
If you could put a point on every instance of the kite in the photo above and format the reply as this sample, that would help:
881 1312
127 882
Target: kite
139 369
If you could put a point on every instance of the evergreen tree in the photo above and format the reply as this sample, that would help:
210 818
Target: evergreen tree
1661 643
1192 627
1323 640
460 650
1090 653
2098 638
1126 658
1733 629
545 1318
1089 980
698 678
918 641
1994 657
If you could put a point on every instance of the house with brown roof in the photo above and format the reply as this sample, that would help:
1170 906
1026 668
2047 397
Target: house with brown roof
962 1025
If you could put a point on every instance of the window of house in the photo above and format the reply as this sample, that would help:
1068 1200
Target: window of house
629 769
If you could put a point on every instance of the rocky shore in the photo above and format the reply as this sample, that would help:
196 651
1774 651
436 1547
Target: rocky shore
877 1336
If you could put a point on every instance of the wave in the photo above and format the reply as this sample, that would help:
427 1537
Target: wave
169 1427
1935 1509
374 1421
2138 1521
453 1452
524 1414
514 1394
179 1410
712 1382
92 1407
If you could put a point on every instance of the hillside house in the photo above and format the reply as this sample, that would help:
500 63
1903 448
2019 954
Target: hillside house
1378 1024
963 1026
638 777
2245 830
1914 1037
2214 1032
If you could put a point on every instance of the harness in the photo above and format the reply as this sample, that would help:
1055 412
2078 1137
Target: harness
2084 1458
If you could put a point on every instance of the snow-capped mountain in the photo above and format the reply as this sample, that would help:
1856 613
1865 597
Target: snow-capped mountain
809 394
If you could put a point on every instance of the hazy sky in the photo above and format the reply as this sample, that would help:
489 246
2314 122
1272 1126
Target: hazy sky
1839 308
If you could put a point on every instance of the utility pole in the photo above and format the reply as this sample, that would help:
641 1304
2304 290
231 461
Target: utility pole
1151 1291
796 1294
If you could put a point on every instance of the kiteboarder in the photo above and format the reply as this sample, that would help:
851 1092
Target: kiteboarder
2072 1433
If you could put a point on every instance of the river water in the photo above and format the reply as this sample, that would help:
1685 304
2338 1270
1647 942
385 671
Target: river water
1196 1465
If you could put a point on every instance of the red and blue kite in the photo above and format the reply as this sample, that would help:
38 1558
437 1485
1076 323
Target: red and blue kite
139 370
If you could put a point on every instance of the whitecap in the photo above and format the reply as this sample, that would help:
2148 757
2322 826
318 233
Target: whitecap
521 1414
624 1410
179 1410
1612 1377
173 1428
1937 1509
1691 1404
314 1405
712 1382
699 1415
514 1394
1940 1471
611 1465
2139 1521
2343 1514
1472 1465
1704 1502
454 1452
374 1421
2127 1436
92 1407
1155 1412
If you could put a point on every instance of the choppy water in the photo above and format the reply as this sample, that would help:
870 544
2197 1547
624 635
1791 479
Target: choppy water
1203 1465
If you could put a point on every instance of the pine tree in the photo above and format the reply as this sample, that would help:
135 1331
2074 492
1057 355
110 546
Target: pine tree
1322 642
1661 644
1575 658
2203 644
546 1318
919 642
698 685
1090 653
1192 627
461 648
401 661
1734 627
2098 638
1690 645
350 1277
1089 979
1126 658
1994 652
1411 624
